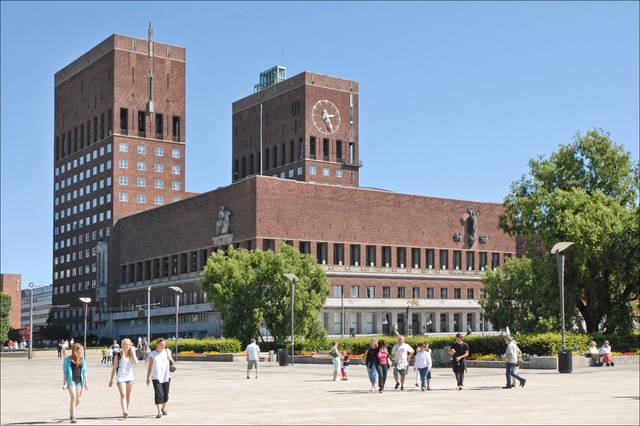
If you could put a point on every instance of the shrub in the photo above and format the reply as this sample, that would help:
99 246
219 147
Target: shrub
199 346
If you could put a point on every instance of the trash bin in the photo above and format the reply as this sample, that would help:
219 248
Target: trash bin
283 357
565 361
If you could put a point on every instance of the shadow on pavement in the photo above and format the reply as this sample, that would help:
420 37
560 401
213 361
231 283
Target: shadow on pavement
66 420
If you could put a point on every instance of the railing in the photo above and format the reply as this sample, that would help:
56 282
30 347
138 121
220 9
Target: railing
399 270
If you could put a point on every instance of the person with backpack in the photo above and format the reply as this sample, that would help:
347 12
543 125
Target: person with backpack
122 369
335 360
511 361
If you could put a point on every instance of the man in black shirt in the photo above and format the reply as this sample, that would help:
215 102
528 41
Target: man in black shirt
459 352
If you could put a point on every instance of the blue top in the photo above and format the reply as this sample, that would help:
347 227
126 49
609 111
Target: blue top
68 370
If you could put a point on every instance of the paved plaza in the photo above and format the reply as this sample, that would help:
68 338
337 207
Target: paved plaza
204 392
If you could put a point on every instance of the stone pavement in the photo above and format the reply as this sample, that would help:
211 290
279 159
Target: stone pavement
203 392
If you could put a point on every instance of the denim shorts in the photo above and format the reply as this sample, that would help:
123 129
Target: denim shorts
128 382
74 384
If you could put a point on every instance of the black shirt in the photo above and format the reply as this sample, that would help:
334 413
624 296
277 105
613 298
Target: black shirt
372 356
460 349
76 370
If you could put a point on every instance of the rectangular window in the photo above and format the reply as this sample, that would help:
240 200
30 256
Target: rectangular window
124 147
402 293
401 257
124 164
275 156
321 255
175 169
444 293
159 167
386 256
416 293
141 199
415 258
141 182
457 293
141 165
159 127
175 135
123 180
159 184
142 124
337 291
471 294
457 260
430 293
371 292
325 149
339 151
300 149
158 200
312 147
371 255
312 170
338 254
444 259
471 261
495 260
483 260
386 292
175 153
325 171
142 150
354 257
305 247
339 173
283 156
291 153
158 152
124 121
123 197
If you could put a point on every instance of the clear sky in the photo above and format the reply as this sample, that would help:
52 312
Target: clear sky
454 98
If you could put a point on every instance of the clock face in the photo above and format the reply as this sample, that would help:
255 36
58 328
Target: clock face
326 117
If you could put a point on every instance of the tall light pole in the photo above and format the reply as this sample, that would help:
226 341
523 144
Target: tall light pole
293 278
148 319
31 285
564 357
178 292
86 301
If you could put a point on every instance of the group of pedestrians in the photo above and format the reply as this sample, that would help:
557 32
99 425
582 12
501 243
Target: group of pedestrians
159 368
602 356
63 346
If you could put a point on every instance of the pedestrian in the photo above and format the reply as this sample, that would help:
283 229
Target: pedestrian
71 342
104 356
383 364
606 357
159 371
335 359
65 346
400 354
371 361
459 352
115 347
139 342
74 378
344 370
122 369
109 356
423 363
253 356
511 360
517 366
593 354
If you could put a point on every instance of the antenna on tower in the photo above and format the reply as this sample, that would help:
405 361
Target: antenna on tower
282 58
150 71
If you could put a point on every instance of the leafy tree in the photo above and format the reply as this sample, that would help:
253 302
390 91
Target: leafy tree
5 308
516 296
250 290
586 192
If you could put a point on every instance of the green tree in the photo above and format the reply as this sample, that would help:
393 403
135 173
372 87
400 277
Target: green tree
5 308
250 290
516 296
586 192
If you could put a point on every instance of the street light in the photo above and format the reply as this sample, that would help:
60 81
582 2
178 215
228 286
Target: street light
564 357
31 285
178 292
293 278
148 320
86 301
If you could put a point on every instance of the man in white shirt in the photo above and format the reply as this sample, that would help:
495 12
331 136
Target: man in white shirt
253 355
511 362
400 354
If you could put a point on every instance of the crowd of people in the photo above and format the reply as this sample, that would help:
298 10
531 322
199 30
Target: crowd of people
602 356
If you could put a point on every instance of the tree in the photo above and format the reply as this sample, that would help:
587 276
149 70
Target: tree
516 296
250 290
5 308
586 192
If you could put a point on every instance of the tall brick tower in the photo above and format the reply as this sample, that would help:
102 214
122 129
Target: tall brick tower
119 149
303 128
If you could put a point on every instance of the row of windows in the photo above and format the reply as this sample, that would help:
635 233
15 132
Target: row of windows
158 167
73 241
81 207
158 120
142 183
85 190
82 136
73 272
74 312
85 174
166 266
90 156
163 300
401 292
244 166
158 200
402 253
75 255
82 222
157 151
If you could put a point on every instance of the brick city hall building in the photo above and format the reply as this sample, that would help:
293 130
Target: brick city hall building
125 229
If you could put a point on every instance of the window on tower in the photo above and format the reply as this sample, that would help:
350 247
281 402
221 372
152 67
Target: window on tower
176 129
325 149
159 127
142 124
312 148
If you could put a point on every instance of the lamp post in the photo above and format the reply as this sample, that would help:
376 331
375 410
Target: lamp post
148 319
342 312
293 278
564 357
178 292
31 285
86 301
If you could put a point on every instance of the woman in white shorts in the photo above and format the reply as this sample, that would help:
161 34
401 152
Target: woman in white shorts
122 369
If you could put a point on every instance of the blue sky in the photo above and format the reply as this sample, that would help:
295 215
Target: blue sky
454 98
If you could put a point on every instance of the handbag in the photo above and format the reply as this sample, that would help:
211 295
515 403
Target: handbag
172 366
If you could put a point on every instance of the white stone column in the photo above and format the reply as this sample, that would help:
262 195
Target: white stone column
436 321
451 324
476 317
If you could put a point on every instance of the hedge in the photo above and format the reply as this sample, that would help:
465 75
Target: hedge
226 345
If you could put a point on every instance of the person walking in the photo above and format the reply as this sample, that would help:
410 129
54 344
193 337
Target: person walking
115 347
511 361
335 359
371 361
122 369
65 346
400 354
423 363
74 378
253 356
159 371
459 352
59 348
383 364
344 370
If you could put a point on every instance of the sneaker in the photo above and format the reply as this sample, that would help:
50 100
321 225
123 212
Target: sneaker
381 390
164 413
507 387
159 416
247 377
428 387
401 387
459 387
422 389
523 382
72 420
397 385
